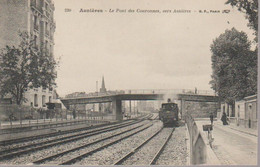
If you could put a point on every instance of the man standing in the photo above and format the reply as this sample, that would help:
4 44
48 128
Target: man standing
211 118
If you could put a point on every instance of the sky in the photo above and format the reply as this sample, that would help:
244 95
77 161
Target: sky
139 50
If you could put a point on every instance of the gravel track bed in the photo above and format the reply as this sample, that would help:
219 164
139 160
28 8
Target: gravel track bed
89 148
111 154
46 139
148 151
175 152
33 156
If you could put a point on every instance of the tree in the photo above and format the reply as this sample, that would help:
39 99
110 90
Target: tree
232 65
25 66
250 8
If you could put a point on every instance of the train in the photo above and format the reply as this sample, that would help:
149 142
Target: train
169 114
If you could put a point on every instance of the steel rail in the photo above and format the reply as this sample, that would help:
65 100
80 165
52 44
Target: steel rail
157 155
79 133
62 141
24 139
76 158
42 160
126 156
59 139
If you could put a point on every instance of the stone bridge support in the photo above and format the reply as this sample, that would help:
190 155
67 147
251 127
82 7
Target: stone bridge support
117 109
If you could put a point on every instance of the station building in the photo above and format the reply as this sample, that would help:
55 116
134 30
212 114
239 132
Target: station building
36 18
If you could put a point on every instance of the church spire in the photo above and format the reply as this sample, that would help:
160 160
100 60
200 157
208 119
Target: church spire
103 88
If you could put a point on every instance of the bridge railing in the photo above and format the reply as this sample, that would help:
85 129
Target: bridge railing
146 91
169 91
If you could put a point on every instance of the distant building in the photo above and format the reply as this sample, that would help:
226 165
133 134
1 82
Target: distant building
76 94
100 107
147 105
35 17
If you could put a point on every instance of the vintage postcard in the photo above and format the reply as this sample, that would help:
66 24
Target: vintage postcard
128 82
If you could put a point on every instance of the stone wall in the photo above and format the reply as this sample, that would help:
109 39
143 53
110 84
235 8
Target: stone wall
201 109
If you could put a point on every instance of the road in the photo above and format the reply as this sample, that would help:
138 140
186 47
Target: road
233 147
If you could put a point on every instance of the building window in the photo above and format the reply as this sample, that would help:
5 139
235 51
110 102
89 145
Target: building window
35 40
35 23
35 100
250 109
46 6
43 101
46 46
46 28
33 2
50 51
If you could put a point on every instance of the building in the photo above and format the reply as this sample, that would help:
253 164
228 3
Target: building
76 94
251 111
227 109
245 113
36 18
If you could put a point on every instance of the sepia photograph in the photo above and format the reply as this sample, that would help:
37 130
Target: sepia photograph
128 82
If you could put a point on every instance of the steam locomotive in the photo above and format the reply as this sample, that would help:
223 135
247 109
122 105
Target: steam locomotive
169 114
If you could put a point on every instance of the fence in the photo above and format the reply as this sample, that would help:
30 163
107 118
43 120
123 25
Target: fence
14 116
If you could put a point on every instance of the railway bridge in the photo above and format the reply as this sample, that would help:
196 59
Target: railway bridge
118 98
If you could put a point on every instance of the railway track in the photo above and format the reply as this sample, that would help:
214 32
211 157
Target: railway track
9 153
75 154
21 140
148 155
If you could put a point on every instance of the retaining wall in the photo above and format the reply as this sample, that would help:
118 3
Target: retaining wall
200 151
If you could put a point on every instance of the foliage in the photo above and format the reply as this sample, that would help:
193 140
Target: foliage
25 66
250 8
234 66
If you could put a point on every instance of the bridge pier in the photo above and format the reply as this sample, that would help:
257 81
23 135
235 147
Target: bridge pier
117 109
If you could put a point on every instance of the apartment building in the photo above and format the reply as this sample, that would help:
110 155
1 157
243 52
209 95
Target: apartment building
36 18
